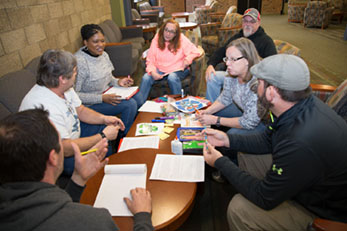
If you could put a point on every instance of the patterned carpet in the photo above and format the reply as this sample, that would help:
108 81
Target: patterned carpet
324 51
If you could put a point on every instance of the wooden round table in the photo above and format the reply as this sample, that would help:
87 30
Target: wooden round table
172 202
188 25
181 15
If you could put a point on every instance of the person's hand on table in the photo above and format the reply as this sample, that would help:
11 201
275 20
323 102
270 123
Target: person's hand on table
209 71
141 201
211 154
88 165
126 82
111 99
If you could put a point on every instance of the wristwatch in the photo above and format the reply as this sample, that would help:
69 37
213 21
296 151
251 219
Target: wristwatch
102 134
218 121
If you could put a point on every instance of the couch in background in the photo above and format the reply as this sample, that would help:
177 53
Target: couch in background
15 85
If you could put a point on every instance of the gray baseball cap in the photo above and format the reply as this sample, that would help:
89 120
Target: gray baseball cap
287 72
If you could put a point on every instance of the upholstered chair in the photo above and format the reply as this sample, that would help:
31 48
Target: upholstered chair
318 14
296 10
146 9
219 16
202 15
214 35
284 47
137 19
336 98
124 46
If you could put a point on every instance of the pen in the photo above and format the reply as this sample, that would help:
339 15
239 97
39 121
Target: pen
161 121
197 111
165 118
89 151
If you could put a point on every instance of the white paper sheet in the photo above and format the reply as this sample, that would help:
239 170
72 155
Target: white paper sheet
151 106
118 180
139 142
184 168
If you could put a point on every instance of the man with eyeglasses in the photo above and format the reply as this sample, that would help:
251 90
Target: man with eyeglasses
252 30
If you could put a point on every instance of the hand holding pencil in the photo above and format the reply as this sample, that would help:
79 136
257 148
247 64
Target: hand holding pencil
87 166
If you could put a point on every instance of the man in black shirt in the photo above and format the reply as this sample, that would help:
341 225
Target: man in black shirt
252 30
308 174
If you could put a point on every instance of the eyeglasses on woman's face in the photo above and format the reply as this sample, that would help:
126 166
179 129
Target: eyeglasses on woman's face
170 31
226 59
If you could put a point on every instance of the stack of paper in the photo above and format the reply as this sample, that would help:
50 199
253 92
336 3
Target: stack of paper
119 179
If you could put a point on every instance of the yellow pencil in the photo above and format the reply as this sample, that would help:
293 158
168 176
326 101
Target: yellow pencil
89 151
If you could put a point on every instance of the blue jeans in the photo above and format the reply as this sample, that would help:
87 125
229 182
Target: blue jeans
233 111
214 85
86 130
173 79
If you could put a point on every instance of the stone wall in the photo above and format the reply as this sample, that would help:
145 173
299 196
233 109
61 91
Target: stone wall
271 6
171 6
29 27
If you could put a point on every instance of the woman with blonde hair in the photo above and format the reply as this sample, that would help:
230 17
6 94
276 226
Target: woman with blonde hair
168 58
236 107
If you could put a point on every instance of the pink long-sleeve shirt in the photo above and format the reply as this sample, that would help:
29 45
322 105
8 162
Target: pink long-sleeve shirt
168 62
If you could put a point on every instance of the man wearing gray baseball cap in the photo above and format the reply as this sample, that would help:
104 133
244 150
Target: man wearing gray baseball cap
252 30
308 174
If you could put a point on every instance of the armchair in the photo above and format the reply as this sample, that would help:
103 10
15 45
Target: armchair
124 46
336 98
296 10
147 10
318 14
203 14
138 20
284 47
214 35
219 16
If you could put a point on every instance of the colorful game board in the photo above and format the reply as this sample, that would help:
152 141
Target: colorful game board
189 104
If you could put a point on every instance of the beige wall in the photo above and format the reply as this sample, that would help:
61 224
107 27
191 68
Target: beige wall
29 27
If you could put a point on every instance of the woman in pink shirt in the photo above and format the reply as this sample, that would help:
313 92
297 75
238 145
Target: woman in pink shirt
168 58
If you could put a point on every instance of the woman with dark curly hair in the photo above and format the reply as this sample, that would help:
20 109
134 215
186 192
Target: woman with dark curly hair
95 76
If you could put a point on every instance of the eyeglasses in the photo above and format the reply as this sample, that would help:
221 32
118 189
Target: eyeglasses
250 22
226 59
170 31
